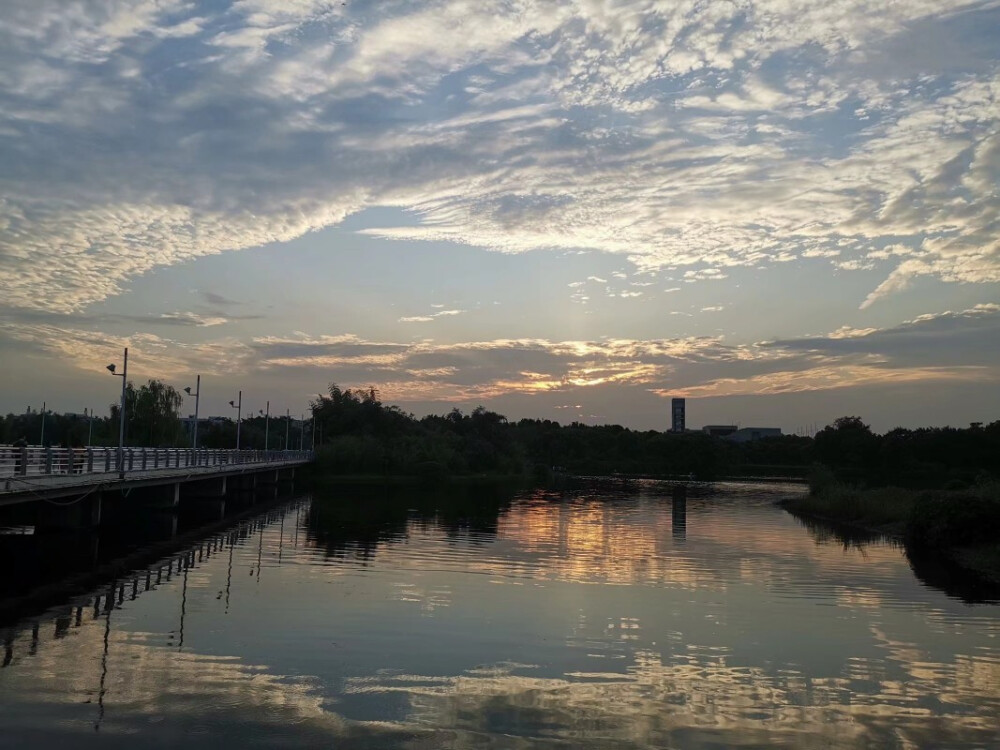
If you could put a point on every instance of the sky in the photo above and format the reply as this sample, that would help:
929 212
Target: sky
785 211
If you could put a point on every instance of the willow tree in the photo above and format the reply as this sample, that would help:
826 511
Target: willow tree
152 415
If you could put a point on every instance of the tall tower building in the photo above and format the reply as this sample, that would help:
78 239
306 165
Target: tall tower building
677 406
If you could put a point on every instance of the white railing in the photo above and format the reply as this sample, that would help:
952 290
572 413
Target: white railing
39 461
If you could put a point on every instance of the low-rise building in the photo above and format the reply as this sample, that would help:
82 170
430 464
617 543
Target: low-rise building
746 434
719 430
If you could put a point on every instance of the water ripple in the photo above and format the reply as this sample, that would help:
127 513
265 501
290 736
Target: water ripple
640 615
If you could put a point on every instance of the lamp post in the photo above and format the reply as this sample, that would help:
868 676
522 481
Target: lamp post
288 423
267 423
90 426
121 415
197 398
238 405
41 437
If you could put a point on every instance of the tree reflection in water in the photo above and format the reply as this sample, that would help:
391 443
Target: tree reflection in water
597 616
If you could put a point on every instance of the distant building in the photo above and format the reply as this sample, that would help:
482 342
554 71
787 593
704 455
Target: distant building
677 407
746 434
719 430
203 422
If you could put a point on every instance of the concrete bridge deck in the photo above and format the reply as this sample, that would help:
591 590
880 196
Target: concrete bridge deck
32 473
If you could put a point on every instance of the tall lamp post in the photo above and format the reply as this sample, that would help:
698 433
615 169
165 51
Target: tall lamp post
197 398
267 423
238 405
41 437
121 415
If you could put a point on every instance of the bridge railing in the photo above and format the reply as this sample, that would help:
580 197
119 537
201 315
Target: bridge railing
44 461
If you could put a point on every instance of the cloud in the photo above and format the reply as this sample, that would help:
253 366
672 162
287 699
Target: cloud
698 136
704 274
197 319
217 299
150 355
325 351
190 318
932 348
432 316
826 378
937 339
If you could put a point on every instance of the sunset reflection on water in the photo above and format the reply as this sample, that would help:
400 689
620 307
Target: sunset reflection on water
607 615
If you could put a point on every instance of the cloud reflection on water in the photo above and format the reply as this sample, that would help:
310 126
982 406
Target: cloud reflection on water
579 619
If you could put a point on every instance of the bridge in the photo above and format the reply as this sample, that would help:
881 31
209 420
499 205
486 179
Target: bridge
102 602
77 478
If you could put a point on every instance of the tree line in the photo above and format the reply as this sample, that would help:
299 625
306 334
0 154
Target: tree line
928 457
152 419
358 434
355 433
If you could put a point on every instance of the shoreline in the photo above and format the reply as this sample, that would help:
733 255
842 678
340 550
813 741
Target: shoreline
981 559
406 479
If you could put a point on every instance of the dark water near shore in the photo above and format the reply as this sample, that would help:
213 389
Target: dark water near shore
602 616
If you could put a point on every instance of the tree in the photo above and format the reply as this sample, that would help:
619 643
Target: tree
848 444
152 415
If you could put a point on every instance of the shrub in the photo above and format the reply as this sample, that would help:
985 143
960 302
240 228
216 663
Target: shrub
941 519
820 478
837 501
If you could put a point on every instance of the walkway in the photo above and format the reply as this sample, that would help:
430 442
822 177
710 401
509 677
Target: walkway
35 473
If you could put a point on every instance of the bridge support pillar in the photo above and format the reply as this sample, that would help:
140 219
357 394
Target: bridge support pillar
164 525
206 488
211 508
82 514
267 478
166 498
246 483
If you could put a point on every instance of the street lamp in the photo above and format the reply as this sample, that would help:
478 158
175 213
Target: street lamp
121 415
197 398
288 423
238 405
267 422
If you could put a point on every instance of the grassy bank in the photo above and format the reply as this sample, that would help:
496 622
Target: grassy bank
886 510
963 524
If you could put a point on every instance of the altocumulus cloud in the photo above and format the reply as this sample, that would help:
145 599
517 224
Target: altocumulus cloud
943 347
142 133
931 348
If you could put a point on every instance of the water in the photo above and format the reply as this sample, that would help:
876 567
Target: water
600 617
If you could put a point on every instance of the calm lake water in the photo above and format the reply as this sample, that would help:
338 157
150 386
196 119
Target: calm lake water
598 617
